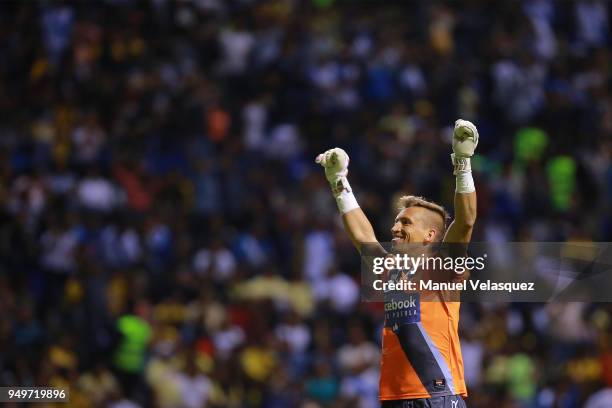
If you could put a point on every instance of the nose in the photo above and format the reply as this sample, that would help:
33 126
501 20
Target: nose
395 228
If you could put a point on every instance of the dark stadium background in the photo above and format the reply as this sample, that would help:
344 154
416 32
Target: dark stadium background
166 239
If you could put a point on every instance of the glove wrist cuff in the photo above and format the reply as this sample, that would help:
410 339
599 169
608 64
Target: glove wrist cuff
343 193
339 184
461 164
463 172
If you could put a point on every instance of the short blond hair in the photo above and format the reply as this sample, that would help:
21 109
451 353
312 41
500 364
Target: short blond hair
415 201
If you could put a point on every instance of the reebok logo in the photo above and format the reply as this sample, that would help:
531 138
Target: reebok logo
402 304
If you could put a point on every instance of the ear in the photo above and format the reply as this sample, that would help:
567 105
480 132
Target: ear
431 235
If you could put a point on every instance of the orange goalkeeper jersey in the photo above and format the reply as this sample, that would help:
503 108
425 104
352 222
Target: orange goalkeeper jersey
421 354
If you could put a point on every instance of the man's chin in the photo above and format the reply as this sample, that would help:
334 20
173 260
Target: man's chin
399 245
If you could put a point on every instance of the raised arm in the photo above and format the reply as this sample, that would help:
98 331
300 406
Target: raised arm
465 140
460 230
358 227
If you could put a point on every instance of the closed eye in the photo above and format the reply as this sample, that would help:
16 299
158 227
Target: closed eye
404 221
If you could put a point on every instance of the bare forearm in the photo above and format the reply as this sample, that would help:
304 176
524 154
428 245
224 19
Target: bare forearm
460 230
358 227
465 209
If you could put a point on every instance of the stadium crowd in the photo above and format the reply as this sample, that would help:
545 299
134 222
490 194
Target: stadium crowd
167 240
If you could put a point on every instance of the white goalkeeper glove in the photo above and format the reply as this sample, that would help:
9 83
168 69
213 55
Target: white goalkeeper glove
336 161
465 140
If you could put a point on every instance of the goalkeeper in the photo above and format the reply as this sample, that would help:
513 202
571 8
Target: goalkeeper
421 363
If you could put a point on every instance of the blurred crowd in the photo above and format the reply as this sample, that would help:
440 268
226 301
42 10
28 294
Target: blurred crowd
166 239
